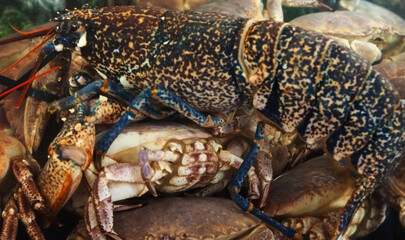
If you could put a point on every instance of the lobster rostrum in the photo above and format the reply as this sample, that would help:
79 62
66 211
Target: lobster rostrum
207 66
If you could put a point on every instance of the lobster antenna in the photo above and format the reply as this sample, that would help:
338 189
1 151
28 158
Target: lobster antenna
37 94
27 82
50 34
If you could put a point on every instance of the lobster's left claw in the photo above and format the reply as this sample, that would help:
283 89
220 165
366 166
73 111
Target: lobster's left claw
69 154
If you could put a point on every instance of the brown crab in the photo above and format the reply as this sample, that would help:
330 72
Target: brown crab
372 32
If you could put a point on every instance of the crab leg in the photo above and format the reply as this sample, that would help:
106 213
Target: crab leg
10 220
90 219
27 217
28 187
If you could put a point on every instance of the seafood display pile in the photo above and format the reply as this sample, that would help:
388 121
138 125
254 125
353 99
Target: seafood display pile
205 119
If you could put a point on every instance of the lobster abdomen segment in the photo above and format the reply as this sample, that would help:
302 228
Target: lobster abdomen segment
372 107
323 90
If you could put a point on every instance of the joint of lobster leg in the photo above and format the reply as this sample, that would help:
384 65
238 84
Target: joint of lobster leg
81 95
104 86
211 121
248 207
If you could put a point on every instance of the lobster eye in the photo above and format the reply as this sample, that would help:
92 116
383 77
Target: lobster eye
77 27
86 6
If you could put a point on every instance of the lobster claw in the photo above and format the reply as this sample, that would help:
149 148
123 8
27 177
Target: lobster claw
69 154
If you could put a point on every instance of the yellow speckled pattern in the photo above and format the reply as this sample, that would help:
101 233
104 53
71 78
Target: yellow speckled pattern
298 79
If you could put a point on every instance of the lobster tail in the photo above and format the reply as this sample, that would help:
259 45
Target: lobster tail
329 95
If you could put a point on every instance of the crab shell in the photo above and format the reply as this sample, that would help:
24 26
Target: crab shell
313 188
189 218
252 9
311 197
373 9
10 147
364 32
395 72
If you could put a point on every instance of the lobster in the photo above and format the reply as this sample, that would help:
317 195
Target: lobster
207 66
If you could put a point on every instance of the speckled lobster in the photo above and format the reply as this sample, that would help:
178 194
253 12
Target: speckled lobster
207 66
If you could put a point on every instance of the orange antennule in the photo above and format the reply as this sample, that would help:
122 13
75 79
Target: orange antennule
27 82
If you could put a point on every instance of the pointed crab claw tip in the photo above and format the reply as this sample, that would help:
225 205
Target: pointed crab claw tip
73 153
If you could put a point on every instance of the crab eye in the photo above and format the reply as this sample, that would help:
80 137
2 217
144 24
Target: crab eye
183 236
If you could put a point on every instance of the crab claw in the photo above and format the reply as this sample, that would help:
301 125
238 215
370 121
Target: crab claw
144 156
69 154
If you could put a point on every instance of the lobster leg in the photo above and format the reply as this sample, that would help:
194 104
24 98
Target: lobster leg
236 185
138 108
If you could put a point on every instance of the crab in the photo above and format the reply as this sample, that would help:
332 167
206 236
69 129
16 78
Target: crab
312 202
318 199
370 35
159 157
184 218
193 218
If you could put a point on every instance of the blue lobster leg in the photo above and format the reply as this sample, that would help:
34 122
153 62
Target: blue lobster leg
243 203
89 91
140 106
